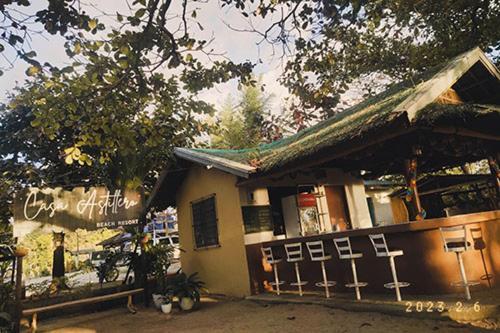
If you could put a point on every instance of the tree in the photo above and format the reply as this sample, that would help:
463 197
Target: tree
114 114
338 42
17 20
247 124
229 132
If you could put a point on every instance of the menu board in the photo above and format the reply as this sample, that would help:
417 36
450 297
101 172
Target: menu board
257 218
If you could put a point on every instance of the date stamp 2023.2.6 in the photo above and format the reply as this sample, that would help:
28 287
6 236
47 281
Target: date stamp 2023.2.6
440 306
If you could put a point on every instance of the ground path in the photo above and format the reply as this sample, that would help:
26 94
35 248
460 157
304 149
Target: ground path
246 316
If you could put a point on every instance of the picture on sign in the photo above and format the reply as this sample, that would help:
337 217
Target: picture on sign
65 229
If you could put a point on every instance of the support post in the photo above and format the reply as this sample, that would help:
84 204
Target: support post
411 183
355 277
464 276
20 253
299 283
495 172
395 278
325 279
276 278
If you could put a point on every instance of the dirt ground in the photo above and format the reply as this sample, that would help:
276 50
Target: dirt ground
246 316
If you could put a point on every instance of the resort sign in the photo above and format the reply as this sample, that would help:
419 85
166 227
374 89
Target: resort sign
89 209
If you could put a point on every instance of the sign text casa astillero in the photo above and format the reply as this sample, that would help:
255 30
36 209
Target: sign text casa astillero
90 209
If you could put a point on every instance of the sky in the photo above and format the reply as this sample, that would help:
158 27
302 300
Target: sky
237 46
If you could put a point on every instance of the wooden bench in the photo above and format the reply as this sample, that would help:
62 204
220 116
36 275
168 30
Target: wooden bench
91 300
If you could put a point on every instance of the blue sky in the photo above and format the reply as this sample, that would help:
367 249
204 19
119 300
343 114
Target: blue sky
238 46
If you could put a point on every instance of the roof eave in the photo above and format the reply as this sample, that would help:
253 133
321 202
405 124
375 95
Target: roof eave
220 163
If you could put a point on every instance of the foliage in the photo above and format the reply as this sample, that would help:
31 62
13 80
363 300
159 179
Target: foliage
17 18
159 258
6 301
337 42
247 123
183 285
229 131
112 116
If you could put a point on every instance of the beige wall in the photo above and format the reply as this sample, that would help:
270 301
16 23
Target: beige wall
224 269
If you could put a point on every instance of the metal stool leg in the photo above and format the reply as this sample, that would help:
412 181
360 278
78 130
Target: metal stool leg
276 278
355 277
327 292
297 273
464 276
395 278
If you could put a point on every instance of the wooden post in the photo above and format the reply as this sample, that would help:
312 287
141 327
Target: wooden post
495 172
19 253
411 183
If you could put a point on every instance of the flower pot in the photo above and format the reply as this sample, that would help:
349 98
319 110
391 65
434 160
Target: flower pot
158 300
186 303
166 307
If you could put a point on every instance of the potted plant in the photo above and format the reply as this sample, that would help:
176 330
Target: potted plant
158 260
166 305
186 288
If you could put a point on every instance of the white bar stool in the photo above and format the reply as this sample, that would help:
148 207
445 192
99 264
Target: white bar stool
455 240
345 251
381 250
294 255
317 253
267 252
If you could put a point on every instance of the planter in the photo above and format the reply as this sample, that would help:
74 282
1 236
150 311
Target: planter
186 303
166 307
158 300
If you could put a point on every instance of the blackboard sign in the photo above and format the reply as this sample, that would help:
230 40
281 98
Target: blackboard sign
80 208
257 218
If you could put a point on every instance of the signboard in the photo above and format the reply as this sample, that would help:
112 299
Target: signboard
306 200
257 218
80 208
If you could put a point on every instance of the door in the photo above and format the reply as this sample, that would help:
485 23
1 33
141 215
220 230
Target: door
337 207
291 216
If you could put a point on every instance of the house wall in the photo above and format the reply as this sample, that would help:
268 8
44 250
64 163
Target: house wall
224 269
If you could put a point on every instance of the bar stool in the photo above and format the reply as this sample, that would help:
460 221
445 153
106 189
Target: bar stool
267 252
294 255
480 245
345 251
317 253
381 250
455 240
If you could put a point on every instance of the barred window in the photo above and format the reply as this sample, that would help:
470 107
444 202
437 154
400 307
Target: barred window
205 222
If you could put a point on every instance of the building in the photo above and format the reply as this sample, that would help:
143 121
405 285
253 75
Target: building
309 186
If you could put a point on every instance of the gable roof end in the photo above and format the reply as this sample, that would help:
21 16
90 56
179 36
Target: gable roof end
431 89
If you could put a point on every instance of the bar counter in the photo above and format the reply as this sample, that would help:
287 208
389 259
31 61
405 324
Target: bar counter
425 264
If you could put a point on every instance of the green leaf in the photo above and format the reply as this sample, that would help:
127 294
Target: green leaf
140 13
123 63
125 50
32 70
68 160
92 24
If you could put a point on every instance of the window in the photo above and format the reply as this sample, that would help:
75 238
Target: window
257 218
205 222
